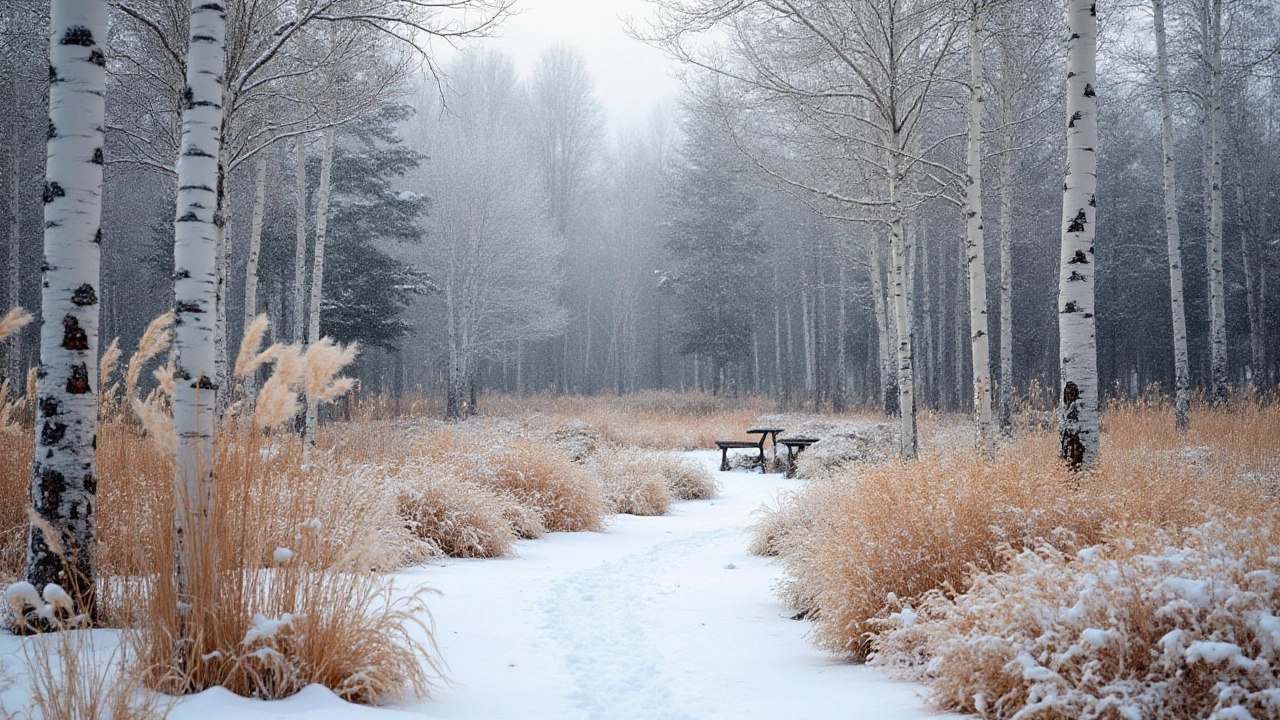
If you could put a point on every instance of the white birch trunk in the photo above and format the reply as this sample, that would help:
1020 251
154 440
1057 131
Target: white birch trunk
300 243
1077 339
907 443
885 345
1181 364
224 262
1006 272
317 267
975 251
12 371
64 471
1213 239
255 248
195 288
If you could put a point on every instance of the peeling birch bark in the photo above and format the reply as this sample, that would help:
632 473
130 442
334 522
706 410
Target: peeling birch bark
1077 334
197 224
1181 365
64 470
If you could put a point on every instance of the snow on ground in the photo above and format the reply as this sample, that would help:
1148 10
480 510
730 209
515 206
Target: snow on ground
658 618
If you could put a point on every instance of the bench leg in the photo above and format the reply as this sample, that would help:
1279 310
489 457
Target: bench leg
724 459
790 472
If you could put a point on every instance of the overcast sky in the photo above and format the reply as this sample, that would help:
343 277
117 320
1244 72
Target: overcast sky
631 78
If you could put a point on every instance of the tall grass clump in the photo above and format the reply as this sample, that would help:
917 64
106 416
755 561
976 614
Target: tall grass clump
15 461
858 544
633 482
459 518
281 589
1153 623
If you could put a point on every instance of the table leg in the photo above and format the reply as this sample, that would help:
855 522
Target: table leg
724 459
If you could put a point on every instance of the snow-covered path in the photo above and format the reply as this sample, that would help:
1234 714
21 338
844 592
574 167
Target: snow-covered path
657 618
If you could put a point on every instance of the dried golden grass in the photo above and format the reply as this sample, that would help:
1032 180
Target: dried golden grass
13 321
1153 624
633 482
851 542
285 550
651 419
456 517
688 479
529 470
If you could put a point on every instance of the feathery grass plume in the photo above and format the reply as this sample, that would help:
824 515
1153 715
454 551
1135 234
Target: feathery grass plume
249 346
164 379
323 360
8 407
278 398
155 340
13 321
157 421
107 363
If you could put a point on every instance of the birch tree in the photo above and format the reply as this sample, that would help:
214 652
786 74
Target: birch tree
1211 49
64 471
196 233
975 242
1077 333
1181 365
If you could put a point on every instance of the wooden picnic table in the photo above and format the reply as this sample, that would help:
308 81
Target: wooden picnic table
764 432
795 445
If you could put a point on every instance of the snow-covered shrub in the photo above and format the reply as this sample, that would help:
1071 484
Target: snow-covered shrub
578 440
688 478
633 482
456 517
849 541
774 524
566 497
1151 624
834 453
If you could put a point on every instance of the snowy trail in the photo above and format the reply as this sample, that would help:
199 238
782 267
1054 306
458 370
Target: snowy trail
664 618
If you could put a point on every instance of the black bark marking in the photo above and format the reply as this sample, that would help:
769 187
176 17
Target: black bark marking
84 296
53 130
204 383
181 274
51 433
1088 91
203 38
1074 117
1077 224
205 188
53 74
189 217
97 58
78 383
52 485
53 191
216 7
1079 259
48 406
97 236
1073 449
187 307
196 152
1070 394
97 157
1070 307
1075 277
77 35
73 336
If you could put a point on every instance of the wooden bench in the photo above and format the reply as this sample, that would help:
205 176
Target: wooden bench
727 445
795 446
